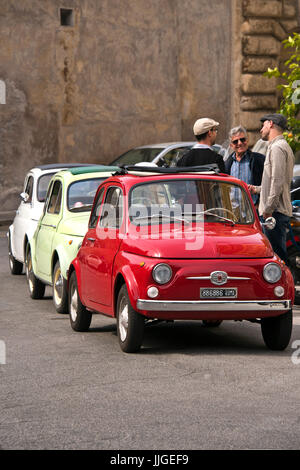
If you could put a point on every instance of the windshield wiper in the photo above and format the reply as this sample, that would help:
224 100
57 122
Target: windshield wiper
81 208
152 216
207 212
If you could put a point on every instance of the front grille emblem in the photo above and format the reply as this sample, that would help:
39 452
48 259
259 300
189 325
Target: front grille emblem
218 277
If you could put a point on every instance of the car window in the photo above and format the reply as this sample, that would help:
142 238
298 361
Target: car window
171 158
55 198
29 188
137 155
42 186
203 200
112 211
96 209
81 194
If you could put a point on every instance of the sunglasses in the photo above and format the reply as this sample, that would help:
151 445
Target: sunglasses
236 141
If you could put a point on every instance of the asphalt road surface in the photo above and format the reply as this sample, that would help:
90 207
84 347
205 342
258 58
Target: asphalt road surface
190 387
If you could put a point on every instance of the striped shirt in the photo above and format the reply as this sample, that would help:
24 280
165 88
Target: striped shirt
241 170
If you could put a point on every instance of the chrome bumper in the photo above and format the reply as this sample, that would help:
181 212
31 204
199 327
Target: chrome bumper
215 305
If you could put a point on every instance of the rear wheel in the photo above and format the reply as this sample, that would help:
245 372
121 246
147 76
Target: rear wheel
59 290
80 318
276 331
15 266
130 324
36 287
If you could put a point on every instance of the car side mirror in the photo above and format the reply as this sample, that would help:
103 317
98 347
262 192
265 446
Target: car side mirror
269 223
24 197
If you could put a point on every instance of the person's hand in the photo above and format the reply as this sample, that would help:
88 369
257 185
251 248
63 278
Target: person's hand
252 188
266 215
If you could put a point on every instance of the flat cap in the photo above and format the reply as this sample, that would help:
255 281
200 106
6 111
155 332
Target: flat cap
278 119
204 125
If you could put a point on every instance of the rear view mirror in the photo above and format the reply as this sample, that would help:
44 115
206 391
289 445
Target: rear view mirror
24 197
269 223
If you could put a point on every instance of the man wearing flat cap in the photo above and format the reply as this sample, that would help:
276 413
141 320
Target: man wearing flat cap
205 131
275 199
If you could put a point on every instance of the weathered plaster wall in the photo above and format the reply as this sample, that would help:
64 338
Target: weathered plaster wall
126 73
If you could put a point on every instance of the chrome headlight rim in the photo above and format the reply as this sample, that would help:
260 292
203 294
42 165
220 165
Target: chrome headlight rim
157 268
266 272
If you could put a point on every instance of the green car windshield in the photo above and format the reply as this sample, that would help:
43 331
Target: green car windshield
81 194
190 200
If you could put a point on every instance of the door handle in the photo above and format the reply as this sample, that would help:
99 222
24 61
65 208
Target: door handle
92 239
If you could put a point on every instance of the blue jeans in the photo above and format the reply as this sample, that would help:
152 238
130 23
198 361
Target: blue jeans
277 236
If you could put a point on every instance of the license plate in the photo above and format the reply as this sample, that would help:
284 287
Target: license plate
219 293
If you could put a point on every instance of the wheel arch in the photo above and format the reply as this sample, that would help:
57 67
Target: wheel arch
119 282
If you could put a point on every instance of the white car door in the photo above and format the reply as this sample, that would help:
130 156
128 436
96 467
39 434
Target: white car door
22 217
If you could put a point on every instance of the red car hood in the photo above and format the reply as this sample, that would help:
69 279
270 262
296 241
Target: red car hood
214 241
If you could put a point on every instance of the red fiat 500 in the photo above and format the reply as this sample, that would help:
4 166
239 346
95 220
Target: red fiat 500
174 244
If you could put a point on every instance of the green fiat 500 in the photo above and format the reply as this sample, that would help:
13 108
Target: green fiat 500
61 229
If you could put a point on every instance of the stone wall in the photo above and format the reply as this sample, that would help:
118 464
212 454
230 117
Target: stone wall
260 26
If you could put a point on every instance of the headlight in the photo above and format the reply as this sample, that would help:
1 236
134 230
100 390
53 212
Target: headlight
162 273
272 272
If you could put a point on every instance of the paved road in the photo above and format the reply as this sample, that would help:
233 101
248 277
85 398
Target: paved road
189 387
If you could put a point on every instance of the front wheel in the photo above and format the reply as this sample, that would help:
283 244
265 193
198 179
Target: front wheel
15 266
59 290
276 331
36 287
130 324
80 318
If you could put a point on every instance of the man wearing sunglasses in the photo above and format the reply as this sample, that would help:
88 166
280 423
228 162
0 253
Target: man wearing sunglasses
242 163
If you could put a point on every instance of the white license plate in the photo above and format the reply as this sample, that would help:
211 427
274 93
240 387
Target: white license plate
219 293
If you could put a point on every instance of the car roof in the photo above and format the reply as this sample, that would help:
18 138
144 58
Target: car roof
165 145
78 173
53 166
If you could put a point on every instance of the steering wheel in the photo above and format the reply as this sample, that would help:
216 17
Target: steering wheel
224 209
146 201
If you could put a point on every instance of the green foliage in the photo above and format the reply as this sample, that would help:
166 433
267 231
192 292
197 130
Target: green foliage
290 102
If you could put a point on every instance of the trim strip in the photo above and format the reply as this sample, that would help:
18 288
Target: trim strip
216 305
229 278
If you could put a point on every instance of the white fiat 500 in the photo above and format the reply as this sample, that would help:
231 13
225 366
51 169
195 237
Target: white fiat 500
29 211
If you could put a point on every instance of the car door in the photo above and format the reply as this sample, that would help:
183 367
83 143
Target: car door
22 219
47 229
102 244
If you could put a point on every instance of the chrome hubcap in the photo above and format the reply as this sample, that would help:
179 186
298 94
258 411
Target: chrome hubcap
58 286
73 303
28 272
123 319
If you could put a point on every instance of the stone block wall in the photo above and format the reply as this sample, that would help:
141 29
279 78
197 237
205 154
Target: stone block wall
261 25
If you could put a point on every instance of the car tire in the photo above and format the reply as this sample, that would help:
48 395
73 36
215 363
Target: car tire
59 290
15 266
276 331
211 323
35 286
80 318
130 324
294 265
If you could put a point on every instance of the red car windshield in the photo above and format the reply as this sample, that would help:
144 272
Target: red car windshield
192 199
